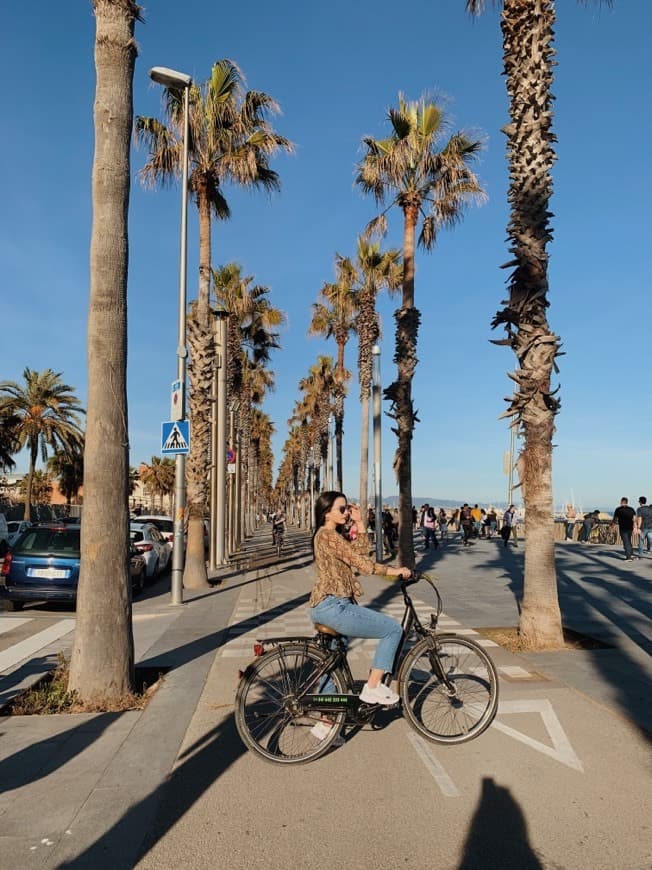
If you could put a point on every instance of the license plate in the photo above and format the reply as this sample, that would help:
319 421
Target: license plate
49 573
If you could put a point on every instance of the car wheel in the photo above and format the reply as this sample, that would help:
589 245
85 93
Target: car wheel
15 605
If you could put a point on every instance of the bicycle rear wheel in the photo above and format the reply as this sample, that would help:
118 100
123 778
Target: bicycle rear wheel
268 716
457 708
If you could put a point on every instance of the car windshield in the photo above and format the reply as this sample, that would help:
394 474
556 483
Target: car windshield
163 525
43 542
13 526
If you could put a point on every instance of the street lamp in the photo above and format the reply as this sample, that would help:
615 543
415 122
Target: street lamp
218 445
378 487
170 78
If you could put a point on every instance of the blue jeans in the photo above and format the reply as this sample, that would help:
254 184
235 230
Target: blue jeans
643 535
351 620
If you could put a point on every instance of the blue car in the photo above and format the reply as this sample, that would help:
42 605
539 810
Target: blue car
43 565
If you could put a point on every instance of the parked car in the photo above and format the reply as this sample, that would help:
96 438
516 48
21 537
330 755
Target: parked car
16 529
137 571
43 564
149 542
4 535
165 525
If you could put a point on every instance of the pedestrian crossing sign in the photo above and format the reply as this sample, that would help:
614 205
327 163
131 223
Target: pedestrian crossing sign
175 437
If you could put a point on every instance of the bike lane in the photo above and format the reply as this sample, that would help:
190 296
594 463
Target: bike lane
558 781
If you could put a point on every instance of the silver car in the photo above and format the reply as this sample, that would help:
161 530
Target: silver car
149 542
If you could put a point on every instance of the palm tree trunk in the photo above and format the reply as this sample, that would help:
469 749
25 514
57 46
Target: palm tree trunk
528 55
400 392
33 453
103 653
202 353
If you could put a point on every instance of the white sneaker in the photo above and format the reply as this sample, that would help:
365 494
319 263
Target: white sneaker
322 730
380 694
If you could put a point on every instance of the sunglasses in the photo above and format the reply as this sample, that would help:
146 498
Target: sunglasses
344 510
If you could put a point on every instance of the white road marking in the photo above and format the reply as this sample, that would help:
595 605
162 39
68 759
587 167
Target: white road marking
514 671
9 622
25 648
435 767
561 749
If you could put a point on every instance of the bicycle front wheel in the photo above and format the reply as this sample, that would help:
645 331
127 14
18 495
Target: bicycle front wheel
449 689
268 712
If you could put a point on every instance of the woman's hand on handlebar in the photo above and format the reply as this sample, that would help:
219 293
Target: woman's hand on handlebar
403 573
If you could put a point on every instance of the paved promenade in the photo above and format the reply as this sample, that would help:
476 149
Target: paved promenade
559 782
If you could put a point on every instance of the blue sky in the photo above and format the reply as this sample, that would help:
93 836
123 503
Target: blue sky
335 68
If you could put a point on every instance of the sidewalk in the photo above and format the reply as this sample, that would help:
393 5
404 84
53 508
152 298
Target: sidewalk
172 785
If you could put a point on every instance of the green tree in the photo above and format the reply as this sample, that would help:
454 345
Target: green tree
48 414
428 177
103 653
231 141
68 470
9 442
41 487
528 59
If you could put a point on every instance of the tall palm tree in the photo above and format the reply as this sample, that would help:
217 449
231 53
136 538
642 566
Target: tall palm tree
334 316
41 487
231 141
49 417
376 270
68 470
529 59
429 178
103 654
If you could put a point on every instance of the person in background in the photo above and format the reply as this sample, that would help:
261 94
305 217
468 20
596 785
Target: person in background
624 517
442 519
508 527
492 522
644 525
571 516
333 600
278 524
466 522
429 526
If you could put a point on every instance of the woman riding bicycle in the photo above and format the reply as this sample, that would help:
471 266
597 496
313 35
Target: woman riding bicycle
333 598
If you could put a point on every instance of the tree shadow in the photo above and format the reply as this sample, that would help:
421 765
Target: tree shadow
498 838
40 759
202 764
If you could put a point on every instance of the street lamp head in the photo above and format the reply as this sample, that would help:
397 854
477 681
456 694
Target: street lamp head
169 77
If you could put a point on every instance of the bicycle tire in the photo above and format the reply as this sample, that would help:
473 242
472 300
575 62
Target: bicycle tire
263 716
429 707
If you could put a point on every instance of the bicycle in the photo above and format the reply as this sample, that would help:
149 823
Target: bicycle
278 541
448 688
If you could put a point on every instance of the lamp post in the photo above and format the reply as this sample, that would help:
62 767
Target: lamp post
378 486
170 78
330 478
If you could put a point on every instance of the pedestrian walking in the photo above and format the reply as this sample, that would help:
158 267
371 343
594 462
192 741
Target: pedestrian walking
442 519
624 517
644 524
466 523
508 527
429 526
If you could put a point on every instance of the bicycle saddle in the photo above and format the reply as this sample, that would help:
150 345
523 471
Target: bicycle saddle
325 629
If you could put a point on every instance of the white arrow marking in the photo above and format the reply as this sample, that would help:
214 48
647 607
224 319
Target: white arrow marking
561 749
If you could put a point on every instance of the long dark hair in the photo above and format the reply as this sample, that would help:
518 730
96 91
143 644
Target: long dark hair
323 506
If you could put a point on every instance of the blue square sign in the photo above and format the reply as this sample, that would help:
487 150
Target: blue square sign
175 437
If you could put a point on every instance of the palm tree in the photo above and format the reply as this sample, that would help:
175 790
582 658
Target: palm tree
41 487
68 470
158 477
48 415
231 141
376 270
528 57
334 316
103 653
428 185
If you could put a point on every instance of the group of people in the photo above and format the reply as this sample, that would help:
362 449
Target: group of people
628 521
473 522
